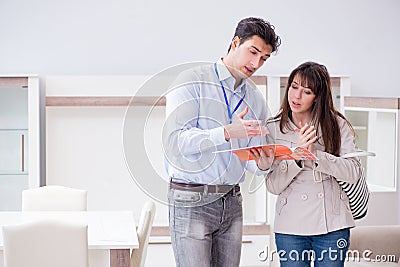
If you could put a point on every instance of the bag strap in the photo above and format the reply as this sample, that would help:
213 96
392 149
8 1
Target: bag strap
360 153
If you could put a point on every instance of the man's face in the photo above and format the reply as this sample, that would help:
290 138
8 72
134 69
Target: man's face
250 55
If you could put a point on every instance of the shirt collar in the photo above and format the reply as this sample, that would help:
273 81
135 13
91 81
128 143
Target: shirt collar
226 76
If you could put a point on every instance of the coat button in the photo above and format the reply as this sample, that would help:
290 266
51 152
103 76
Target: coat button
283 167
304 197
320 195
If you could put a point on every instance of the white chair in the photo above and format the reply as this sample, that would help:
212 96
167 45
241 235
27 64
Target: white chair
45 244
54 198
138 256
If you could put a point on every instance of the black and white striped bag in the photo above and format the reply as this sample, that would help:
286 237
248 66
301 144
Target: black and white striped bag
358 193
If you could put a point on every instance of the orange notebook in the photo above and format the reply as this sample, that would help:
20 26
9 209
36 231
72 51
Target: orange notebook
281 152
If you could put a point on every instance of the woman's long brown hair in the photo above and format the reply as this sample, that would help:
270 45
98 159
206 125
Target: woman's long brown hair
316 77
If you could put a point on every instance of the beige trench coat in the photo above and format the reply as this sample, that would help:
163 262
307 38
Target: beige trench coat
310 200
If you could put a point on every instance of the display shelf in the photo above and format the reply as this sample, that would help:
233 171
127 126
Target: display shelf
71 101
376 123
16 81
14 129
88 101
19 138
372 102
11 174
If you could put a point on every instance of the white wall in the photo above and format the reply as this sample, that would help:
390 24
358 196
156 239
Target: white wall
358 38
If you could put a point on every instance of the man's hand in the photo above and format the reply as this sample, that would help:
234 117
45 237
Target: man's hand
263 160
241 128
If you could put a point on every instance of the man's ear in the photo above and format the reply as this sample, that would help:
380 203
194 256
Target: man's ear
235 42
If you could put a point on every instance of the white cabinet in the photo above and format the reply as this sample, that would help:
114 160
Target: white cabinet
13 145
255 250
19 138
376 123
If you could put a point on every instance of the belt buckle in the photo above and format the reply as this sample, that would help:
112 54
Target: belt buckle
234 190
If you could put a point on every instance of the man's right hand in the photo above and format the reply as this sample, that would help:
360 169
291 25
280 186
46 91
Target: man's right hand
241 128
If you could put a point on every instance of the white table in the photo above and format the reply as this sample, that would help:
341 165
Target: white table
107 230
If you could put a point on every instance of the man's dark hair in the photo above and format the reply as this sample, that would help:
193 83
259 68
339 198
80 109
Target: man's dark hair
249 27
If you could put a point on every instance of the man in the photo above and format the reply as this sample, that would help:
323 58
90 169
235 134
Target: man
213 107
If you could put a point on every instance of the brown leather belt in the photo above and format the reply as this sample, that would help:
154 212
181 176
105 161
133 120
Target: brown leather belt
213 189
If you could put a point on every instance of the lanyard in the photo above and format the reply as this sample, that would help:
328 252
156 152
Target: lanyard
228 107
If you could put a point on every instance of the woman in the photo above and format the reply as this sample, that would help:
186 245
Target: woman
312 217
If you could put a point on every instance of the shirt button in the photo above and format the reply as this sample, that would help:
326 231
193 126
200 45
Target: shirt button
320 195
304 197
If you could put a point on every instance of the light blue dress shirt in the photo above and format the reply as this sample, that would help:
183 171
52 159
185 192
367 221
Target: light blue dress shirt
196 114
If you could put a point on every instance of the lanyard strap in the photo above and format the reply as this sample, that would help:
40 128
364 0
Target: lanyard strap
228 107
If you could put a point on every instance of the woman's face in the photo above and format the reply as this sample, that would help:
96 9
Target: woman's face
301 98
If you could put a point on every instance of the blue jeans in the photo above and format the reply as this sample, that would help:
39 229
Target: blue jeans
206 229
326 250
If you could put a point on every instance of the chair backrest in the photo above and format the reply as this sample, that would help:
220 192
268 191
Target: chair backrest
138 256
45 244
54 198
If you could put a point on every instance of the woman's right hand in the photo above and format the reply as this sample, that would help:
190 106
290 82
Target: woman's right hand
307 137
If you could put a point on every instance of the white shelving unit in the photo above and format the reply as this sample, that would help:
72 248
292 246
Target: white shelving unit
19 138
376 122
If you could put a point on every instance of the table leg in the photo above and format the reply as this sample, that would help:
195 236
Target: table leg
120 258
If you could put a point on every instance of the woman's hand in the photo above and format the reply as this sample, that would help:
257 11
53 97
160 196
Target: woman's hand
307 137
263 160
